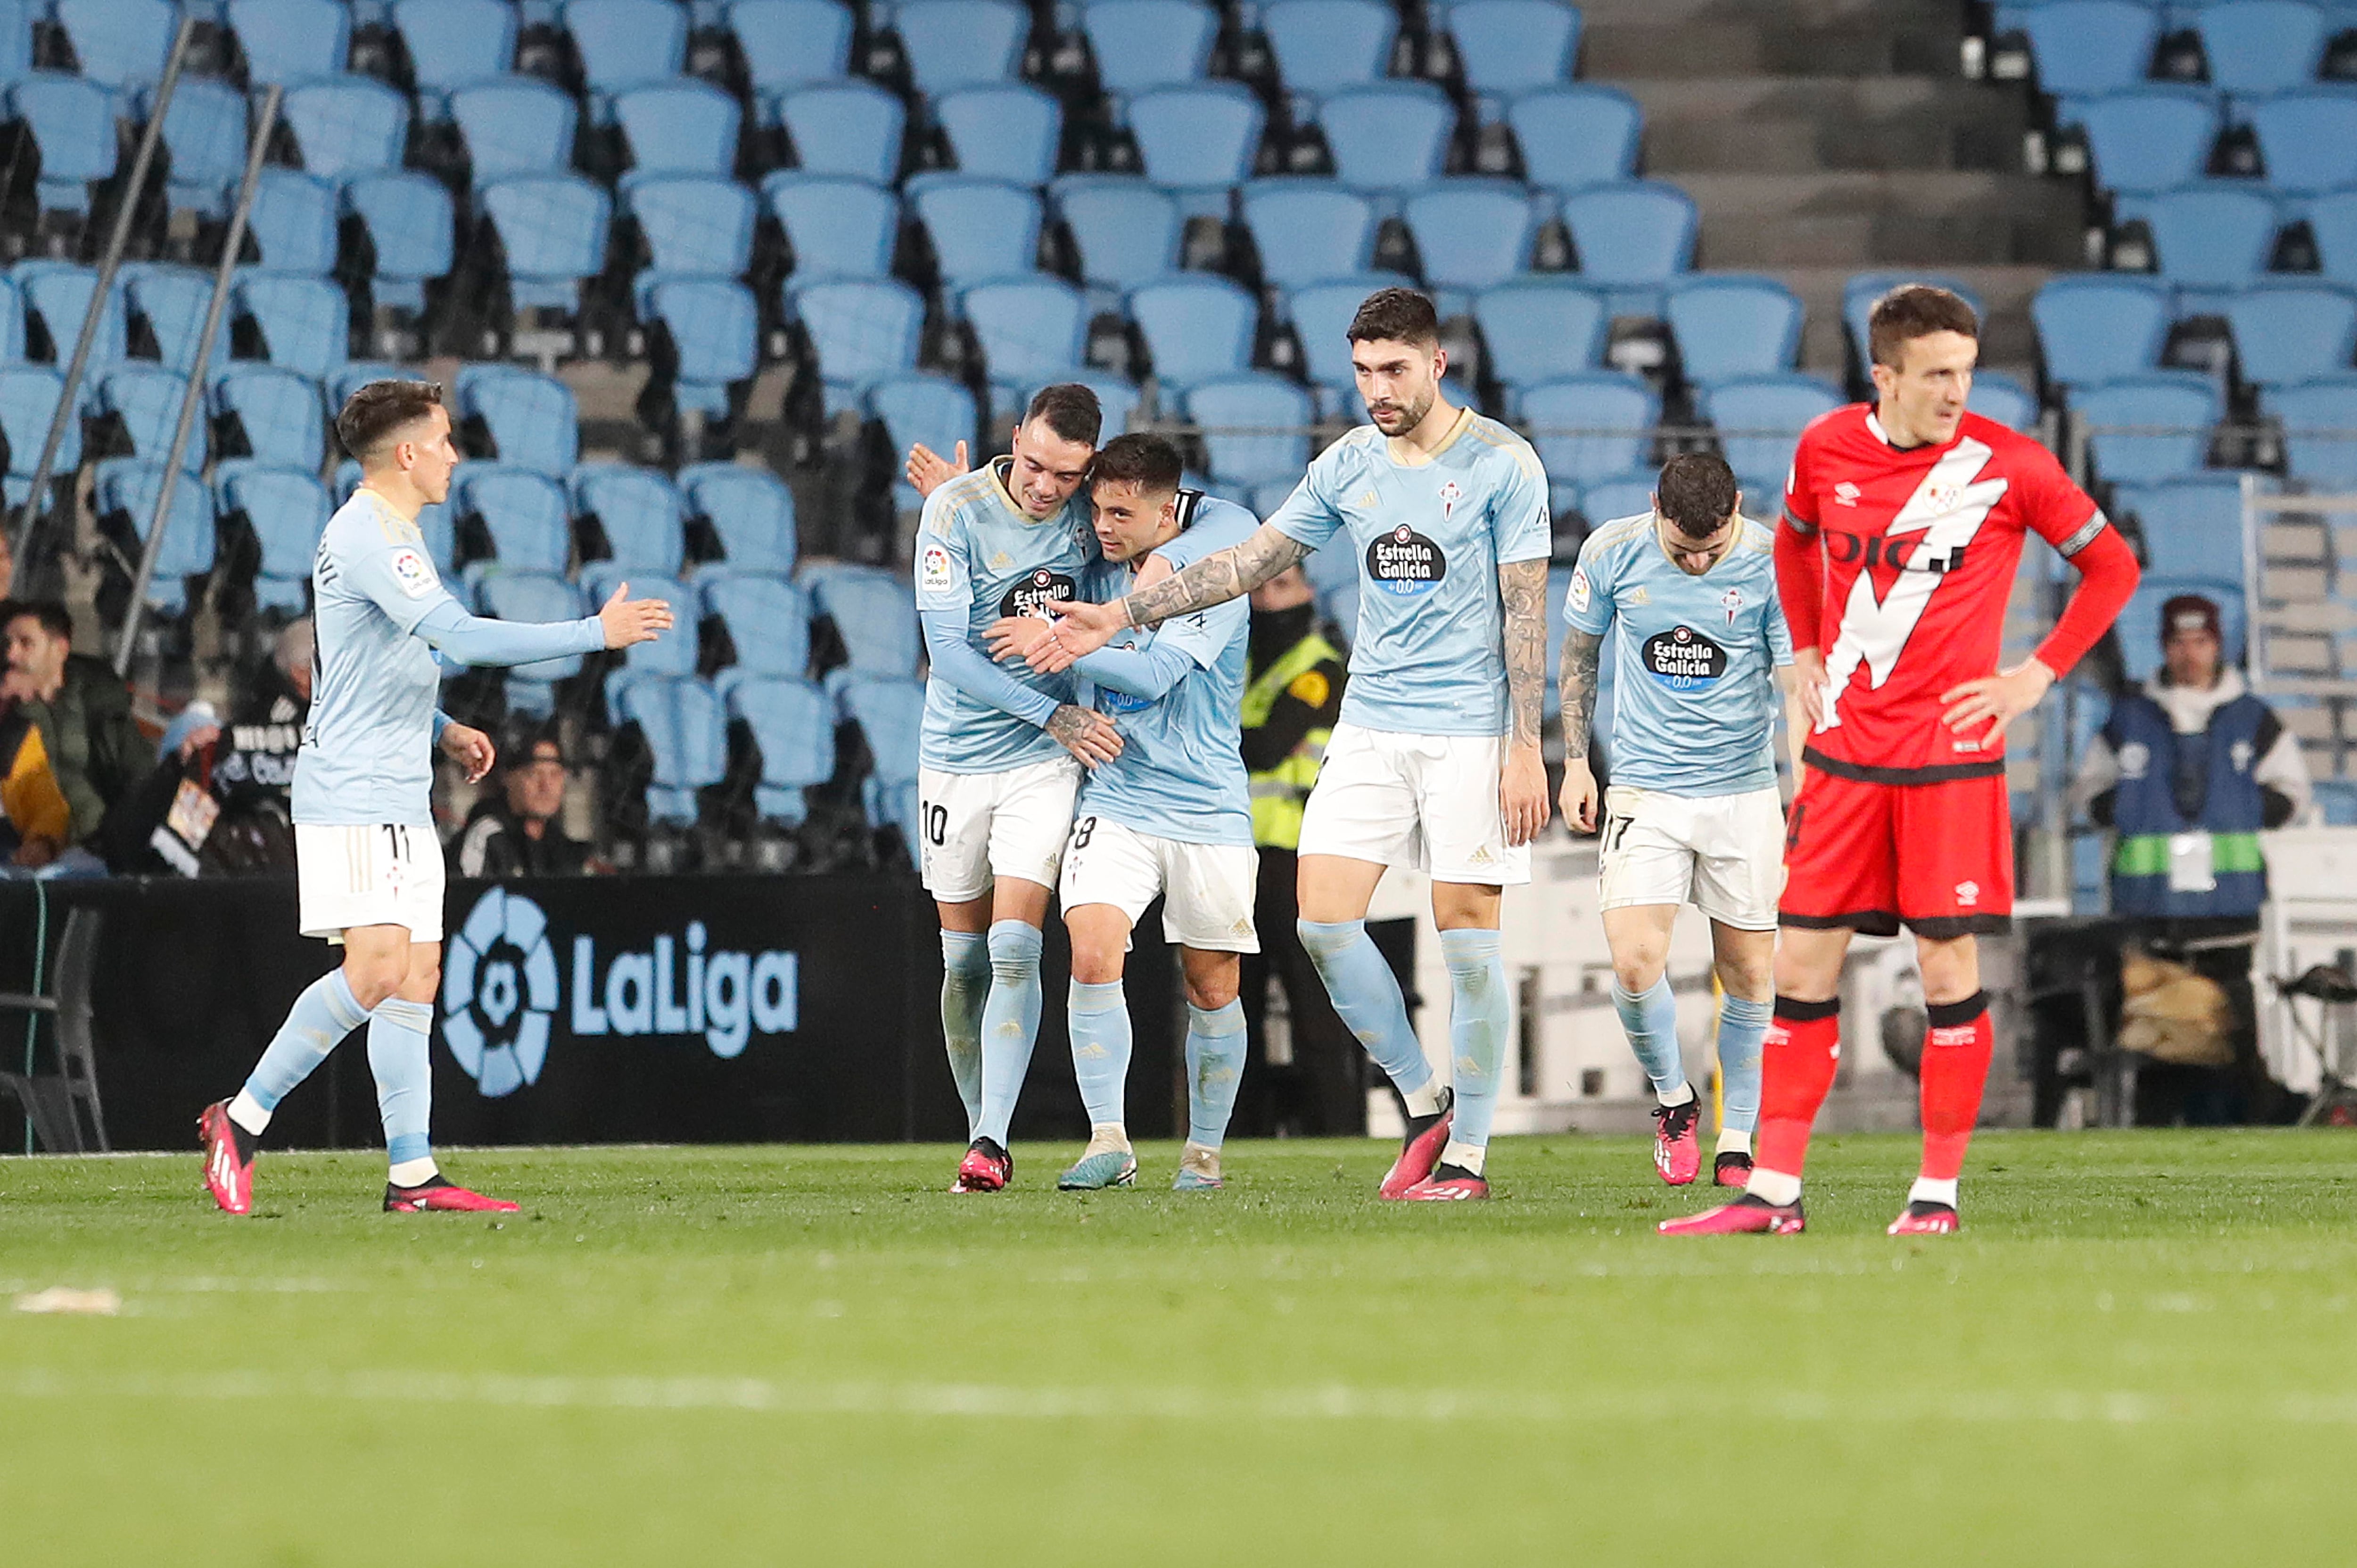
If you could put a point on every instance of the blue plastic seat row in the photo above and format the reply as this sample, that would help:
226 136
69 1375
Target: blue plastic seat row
2083 47
2156 138
2098 327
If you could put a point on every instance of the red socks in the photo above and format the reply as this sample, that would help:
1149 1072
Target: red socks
1798 1059
1955 1070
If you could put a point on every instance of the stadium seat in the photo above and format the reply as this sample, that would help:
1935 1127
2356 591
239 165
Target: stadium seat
874 613
960 43
2293 332
1610 500
271 414
71 122
1998 396
1321 316
1859 295
789 43
750 514
1308 229
12 322
686 735
682 126
2192 528
286 509
1030 330
286 41
2086 46
294 221
1007 130
130 487
2149 139
1730 326
923 407
980 229
1596 425
523 515
1322 45
305 322
889 714
1128 232
119 43
1639 232
837 226
2260 45
2317 417
28 404
766 619
451 43
1469 235
1390 137
2332 222
553 230
1255 427
1576 137
2138 628
144 400
345 125
172 301
2099 326
527 420
792 726
411 229
861 330
1534 329
2180 401
1196 326
1192 137
2308 140
714 326
204 134
642 516
1510 47
513 125
56 297
1144 44
2214 235
1760 417
533 597
845 127
626 43
692 225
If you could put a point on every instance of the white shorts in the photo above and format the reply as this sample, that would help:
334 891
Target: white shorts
389 873
1422 802
1723 854
978 827
1206 888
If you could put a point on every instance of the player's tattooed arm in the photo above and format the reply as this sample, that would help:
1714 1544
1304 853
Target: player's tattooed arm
1085 733
1524 585
1582 653
1218 577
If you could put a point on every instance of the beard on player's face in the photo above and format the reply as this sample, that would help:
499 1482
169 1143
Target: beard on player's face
1395 414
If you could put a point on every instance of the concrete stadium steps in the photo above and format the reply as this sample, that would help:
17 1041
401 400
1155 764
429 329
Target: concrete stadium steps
1925 218
1802 124
1777 38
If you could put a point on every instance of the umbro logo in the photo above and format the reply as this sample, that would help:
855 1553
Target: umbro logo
1845 494
1968 892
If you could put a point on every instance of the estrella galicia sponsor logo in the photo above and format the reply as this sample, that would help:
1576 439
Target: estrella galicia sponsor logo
499 991
1683 658
1404 562
1034 591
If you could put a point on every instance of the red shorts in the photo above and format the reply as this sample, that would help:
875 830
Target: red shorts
1937 857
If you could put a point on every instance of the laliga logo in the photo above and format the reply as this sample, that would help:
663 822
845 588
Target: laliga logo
498 990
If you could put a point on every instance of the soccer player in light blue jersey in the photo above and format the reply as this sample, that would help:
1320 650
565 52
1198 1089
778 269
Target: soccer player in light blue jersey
1436 763
368 864
1169 818
1693 814
1002 749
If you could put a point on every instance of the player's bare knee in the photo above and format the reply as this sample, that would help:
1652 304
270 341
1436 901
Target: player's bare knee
1751 978
423 982
1212 980
1096 963
373 978
1638 968
1951 969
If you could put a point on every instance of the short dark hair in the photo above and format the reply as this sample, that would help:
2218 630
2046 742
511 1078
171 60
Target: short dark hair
1149 462
525 736
1695 492
1395 315
53 616
377 409
1915 310
1069 410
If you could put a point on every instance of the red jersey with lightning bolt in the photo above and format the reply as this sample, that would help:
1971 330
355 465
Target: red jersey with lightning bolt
1918 547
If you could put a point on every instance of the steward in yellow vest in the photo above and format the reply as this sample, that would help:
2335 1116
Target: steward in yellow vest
1293 695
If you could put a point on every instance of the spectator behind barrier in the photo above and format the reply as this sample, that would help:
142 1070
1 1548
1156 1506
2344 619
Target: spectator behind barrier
265 727
513 831
65 714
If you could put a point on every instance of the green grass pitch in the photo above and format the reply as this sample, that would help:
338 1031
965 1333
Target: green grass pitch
2143 1351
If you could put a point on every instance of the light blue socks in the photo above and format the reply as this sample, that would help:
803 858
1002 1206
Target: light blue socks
405 1081
1651 1022
1011 1025
1366 994
1477 1036
965 985
1741 1026
1097 1016
315 1025
1215 1068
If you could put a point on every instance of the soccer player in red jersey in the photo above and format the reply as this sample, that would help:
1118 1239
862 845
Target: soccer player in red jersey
1903 527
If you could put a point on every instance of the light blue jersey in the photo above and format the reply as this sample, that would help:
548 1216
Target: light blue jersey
1428 656
368 750
1180 774
1694 712
979 555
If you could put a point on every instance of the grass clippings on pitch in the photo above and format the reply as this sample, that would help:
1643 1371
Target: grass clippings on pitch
2142 1351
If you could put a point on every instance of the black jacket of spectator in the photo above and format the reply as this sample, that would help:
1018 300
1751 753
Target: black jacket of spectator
494 843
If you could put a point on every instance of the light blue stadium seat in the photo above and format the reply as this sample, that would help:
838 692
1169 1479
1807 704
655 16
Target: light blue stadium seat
2319 417
28 403
2293 330
1255 427
56 296
1864 289
130 488
2085 47
532 420
1511 47
2192 528
1596 426
1118 400
960 43
1144 44
345 125
2182 400
454 42
1196 326
2146 139
288 510
788 43
72 121
172 301
289 40
2099 326
1321 315
514 125
874 613
275 414
2214 235
767 620
981 228
293 224
146 398
838 226
692 225
1308 229
890 712
2260 45
2138 628
922 407
792 726
1732 326
682 126
1998 396
1323 45
1759 418
1574 136
1609 500
1007 130
686 733
713 325
2332 220
861 330
119 43
1470 234
845 127
204 133
626 43
641 513
1392 136
1127 229
1536 329
1195 137
522 513
305 322
533 597
1030 330
1639 233
412 229
2308 140
552 228
12 322
750 513
17 37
